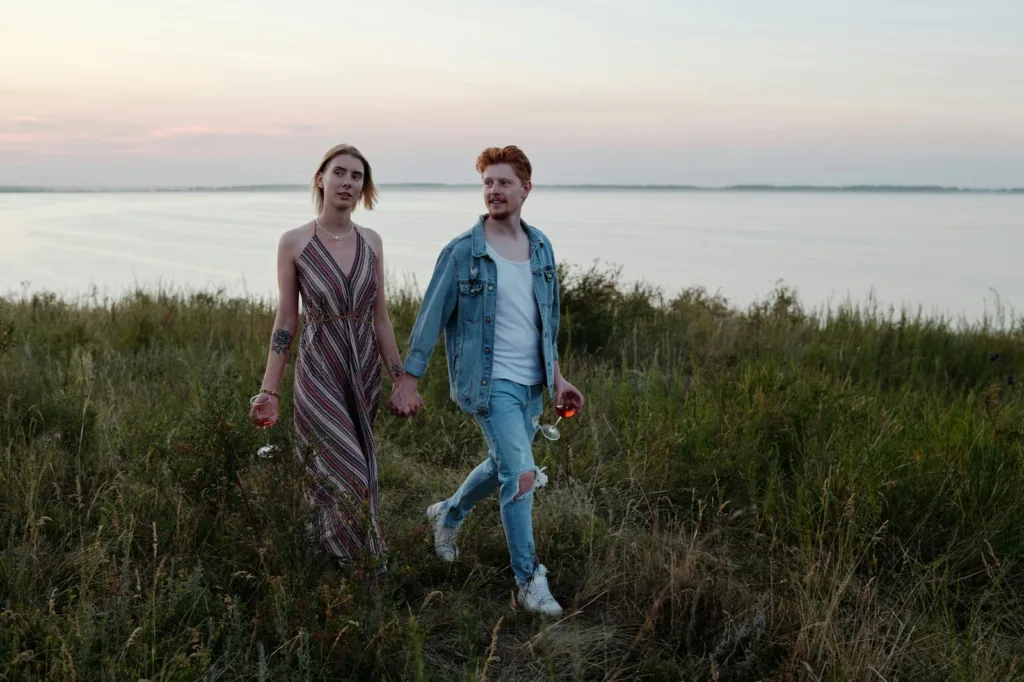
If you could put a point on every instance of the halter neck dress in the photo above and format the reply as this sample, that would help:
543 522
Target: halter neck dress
337 397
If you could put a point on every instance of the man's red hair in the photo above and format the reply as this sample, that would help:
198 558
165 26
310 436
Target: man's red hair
512 155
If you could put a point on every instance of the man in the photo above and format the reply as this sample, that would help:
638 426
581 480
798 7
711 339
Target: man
494 292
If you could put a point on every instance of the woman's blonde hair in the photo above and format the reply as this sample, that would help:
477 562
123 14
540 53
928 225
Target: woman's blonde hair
369 194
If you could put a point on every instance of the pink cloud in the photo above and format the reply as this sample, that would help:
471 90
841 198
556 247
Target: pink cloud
27 123
180 131
170 132
20 138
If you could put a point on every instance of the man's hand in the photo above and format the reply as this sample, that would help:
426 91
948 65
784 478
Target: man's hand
567 395
406 400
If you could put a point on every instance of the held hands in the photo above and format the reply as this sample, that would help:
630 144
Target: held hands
405 401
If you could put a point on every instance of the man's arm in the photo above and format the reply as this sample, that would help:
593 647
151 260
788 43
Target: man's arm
556 314
438 306
556 310
564 391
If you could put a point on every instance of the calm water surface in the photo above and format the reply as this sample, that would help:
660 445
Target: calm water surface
951 254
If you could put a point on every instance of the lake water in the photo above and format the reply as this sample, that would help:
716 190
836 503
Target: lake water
954 254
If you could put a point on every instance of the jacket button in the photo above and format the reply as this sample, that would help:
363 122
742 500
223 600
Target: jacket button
490 287
487 351
484 382
487 319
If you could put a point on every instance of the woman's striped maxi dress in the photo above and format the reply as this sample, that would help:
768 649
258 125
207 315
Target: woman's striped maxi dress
337 397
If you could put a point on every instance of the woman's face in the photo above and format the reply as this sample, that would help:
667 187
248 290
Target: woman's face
342 182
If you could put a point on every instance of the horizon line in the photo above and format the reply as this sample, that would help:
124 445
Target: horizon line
285 187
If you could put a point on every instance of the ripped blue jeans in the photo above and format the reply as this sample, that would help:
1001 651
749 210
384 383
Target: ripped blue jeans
510 428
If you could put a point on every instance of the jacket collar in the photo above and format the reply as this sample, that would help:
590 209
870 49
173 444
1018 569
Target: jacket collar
480 242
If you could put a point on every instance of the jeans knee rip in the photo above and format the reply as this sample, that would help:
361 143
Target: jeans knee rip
540 480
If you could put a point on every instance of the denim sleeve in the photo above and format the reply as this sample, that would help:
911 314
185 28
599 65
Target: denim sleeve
435 311
556 310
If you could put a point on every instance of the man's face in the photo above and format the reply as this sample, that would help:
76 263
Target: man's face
504 193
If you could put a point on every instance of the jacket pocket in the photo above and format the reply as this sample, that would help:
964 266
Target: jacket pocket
545 278
471 299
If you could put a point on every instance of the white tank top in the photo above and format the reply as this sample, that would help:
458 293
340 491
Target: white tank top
517 350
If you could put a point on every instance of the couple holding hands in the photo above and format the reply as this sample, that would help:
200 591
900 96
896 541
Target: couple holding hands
493 293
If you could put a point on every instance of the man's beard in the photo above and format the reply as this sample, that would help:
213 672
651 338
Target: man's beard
499 213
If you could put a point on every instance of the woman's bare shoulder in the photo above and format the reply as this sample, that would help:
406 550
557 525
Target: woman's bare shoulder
294 240
372 237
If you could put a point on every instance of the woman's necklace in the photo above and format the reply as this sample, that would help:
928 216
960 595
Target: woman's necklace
337 239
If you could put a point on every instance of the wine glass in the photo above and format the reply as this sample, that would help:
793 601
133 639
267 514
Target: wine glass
550 431
262 423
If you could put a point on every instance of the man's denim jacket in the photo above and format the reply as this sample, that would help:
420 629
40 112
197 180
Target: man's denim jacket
461 299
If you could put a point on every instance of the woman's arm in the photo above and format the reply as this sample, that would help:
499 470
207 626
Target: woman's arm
386 342
287 320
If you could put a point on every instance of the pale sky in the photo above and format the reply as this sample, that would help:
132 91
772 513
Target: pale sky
154 92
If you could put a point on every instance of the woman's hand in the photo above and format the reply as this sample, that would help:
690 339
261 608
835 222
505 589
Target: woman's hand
406 401
263 412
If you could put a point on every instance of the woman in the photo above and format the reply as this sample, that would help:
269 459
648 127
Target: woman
337 267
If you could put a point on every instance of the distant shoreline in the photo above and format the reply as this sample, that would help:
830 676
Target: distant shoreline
867 189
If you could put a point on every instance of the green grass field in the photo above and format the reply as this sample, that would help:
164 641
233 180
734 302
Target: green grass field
765 494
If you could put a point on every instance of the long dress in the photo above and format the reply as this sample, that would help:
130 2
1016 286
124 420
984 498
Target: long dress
337 398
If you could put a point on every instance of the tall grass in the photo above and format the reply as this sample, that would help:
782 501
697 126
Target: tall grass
759 494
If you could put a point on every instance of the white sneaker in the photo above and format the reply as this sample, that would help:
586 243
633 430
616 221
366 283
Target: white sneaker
444 537
535 596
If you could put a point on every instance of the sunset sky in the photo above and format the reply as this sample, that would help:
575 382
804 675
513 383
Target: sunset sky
119 93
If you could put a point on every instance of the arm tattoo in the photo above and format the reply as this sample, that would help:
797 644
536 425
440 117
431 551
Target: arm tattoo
282 341
396 370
